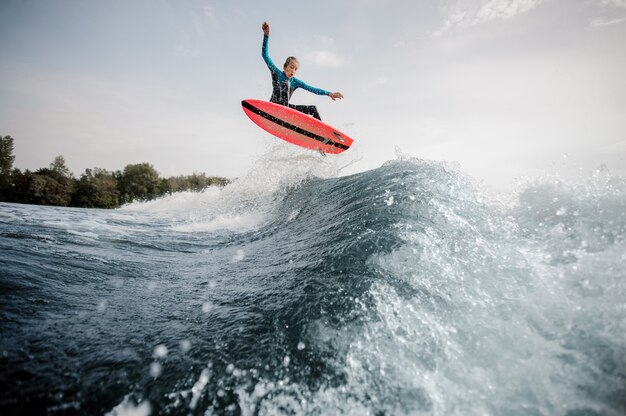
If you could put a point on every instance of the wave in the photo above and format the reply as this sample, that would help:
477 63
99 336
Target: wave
400 290
406 290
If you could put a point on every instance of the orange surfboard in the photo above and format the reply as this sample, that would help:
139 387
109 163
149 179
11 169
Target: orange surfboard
296 127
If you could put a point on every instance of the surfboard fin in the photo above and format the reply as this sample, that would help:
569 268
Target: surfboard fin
341 139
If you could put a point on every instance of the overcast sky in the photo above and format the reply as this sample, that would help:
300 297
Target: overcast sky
506 88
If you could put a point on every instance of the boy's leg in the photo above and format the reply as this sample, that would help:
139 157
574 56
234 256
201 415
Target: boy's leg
307 109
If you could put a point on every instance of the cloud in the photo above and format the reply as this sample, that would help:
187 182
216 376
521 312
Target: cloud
602 22
595 23
325 59
615 3
504 9
466 13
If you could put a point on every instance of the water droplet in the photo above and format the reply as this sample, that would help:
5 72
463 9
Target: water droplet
239 256
185 345
160 351
286 361
156 369
301 346
206 307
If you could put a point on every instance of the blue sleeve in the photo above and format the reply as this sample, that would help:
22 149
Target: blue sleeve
266 56
318 91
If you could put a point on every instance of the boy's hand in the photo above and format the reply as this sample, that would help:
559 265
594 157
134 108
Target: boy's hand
335 95
266 28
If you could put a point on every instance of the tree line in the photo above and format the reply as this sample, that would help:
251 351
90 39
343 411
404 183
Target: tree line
95 188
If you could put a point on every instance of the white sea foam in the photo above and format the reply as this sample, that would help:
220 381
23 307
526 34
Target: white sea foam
128 408
509 309
244 204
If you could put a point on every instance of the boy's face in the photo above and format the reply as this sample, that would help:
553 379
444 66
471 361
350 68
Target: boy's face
291 68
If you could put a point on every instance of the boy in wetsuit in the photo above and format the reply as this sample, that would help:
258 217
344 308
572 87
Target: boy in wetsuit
285 83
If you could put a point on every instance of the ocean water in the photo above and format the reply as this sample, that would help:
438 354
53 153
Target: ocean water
403 290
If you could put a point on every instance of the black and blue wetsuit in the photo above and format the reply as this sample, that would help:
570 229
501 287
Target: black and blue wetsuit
283 86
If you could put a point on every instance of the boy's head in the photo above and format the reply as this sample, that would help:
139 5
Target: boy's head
291 67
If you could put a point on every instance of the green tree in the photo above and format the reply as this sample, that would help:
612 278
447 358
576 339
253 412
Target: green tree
195 182
51 186
138 181
164 187
6 165
46 190
58 167
6 155
20 184
96 188
218 181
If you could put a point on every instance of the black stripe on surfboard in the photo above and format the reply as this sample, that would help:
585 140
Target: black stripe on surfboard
291 127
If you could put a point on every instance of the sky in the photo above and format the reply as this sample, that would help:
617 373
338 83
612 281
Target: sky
503 89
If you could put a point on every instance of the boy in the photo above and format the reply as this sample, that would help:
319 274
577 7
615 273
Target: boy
285 83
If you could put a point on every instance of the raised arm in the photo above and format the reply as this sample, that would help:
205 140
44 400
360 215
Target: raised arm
264 49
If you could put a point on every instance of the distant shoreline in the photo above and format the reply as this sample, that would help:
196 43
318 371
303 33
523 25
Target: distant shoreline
56 185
